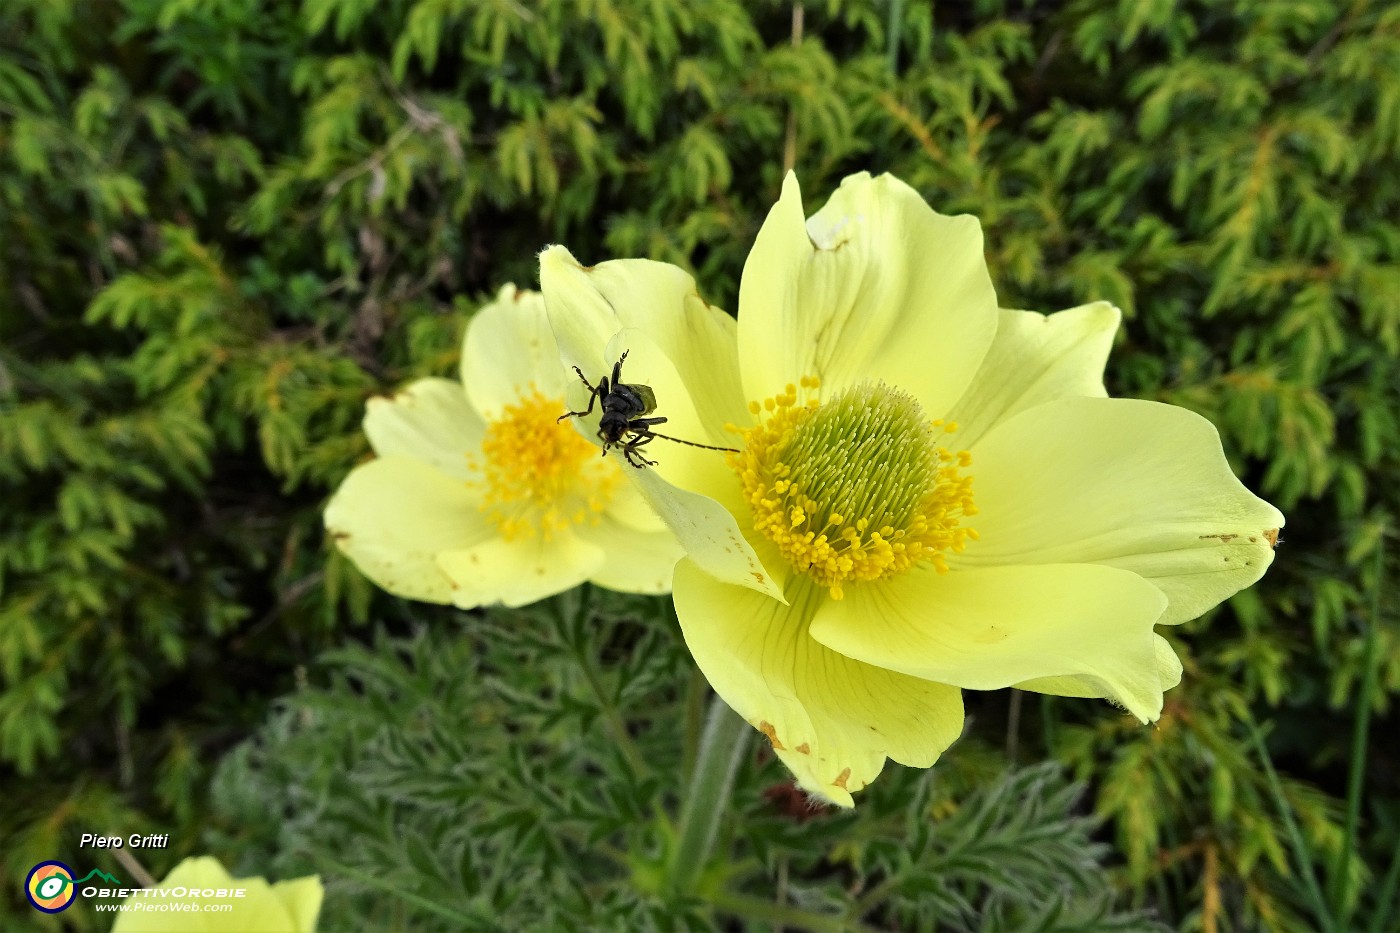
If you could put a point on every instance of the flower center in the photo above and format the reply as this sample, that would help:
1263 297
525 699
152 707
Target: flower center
538 476
856 488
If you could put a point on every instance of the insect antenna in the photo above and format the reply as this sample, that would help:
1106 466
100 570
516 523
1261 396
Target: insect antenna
667 437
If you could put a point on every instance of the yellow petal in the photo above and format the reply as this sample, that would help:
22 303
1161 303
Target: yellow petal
1168 671
1131 484
509 350
633 561
832 720
685 350
627 507
710 536
302 899
1036 359
394 515
519 572
430 420
875 285
582 319
588 306
992 628
288 907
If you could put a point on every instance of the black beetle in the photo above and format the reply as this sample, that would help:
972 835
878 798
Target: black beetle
623 423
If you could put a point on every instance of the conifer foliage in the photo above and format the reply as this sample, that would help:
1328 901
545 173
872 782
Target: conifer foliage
225 224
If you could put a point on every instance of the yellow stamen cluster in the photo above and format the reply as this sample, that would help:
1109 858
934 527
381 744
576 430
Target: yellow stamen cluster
538 476
857 488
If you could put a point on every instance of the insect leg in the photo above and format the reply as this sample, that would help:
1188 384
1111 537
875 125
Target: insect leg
640 437
584 379
629 451
594 392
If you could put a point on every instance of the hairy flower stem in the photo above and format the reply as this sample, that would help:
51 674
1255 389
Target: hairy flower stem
722 746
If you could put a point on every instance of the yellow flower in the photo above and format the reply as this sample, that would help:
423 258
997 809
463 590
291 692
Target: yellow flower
285 907
478 495
930 493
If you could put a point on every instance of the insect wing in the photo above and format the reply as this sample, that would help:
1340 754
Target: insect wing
647 396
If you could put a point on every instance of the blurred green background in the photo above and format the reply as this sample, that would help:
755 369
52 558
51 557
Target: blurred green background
224 224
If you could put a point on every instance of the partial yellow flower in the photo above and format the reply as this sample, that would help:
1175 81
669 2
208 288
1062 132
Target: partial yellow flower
930 493
284 907
479 495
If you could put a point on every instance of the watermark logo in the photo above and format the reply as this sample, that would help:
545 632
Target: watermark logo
50 886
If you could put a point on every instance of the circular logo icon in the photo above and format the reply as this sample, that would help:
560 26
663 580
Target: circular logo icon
50 887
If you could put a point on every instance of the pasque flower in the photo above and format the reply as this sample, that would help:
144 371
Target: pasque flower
478 495
930 493
284 907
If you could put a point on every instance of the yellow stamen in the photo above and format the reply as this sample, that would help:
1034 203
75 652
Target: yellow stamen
538 476
857 488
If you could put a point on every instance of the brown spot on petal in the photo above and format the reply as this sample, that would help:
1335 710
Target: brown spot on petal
1272 537
1224 539
768 729
804 748
759 577
842 778
339 535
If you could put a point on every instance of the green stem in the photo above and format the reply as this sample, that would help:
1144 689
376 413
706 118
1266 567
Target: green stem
694 719
707 798
1301 850
782 915
1385 900
895 27
1359 736
1013 726
1049 723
